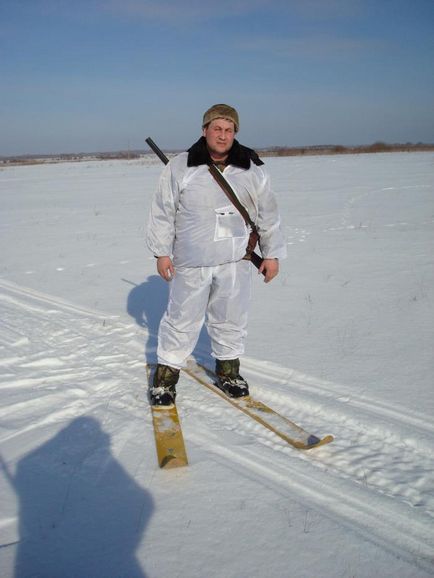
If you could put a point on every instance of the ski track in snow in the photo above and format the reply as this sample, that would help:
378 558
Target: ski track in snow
377 477
58 356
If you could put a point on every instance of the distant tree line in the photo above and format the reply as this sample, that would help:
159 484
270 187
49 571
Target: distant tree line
276 151
377 147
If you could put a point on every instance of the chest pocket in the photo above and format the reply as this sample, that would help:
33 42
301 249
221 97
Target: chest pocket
229 223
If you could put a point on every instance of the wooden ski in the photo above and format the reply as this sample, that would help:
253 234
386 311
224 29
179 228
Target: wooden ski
169 440
286 429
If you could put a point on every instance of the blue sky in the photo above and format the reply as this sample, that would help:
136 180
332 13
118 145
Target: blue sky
102 75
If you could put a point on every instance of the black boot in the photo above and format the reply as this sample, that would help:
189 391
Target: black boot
229 379
163 390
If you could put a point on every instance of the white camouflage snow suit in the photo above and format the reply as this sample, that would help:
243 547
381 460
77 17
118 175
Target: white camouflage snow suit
193 222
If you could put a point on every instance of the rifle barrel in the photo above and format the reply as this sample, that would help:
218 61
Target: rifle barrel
157 150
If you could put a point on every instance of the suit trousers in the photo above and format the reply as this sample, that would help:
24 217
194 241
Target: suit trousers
217 296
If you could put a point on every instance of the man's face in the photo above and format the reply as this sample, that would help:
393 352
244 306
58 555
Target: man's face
219 134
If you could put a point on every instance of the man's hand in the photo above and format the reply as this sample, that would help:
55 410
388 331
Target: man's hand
165 268
270 268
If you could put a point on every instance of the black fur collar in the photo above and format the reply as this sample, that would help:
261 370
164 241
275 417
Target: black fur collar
239 155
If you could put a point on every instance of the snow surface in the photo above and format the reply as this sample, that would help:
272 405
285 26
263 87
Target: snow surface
341 342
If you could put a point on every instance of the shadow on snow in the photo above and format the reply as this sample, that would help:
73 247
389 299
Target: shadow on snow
80 513
146 304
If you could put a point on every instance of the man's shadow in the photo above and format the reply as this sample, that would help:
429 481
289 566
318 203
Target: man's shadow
146 304
81 514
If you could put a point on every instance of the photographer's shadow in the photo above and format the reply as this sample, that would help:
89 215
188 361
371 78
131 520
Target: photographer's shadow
81 513
146 304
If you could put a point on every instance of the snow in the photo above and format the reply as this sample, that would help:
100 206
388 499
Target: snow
341 342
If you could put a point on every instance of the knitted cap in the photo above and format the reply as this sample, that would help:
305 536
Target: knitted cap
221 111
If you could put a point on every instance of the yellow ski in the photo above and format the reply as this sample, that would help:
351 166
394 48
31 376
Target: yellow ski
269 418
169 440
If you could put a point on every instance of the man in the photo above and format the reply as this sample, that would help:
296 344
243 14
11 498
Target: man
199 239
